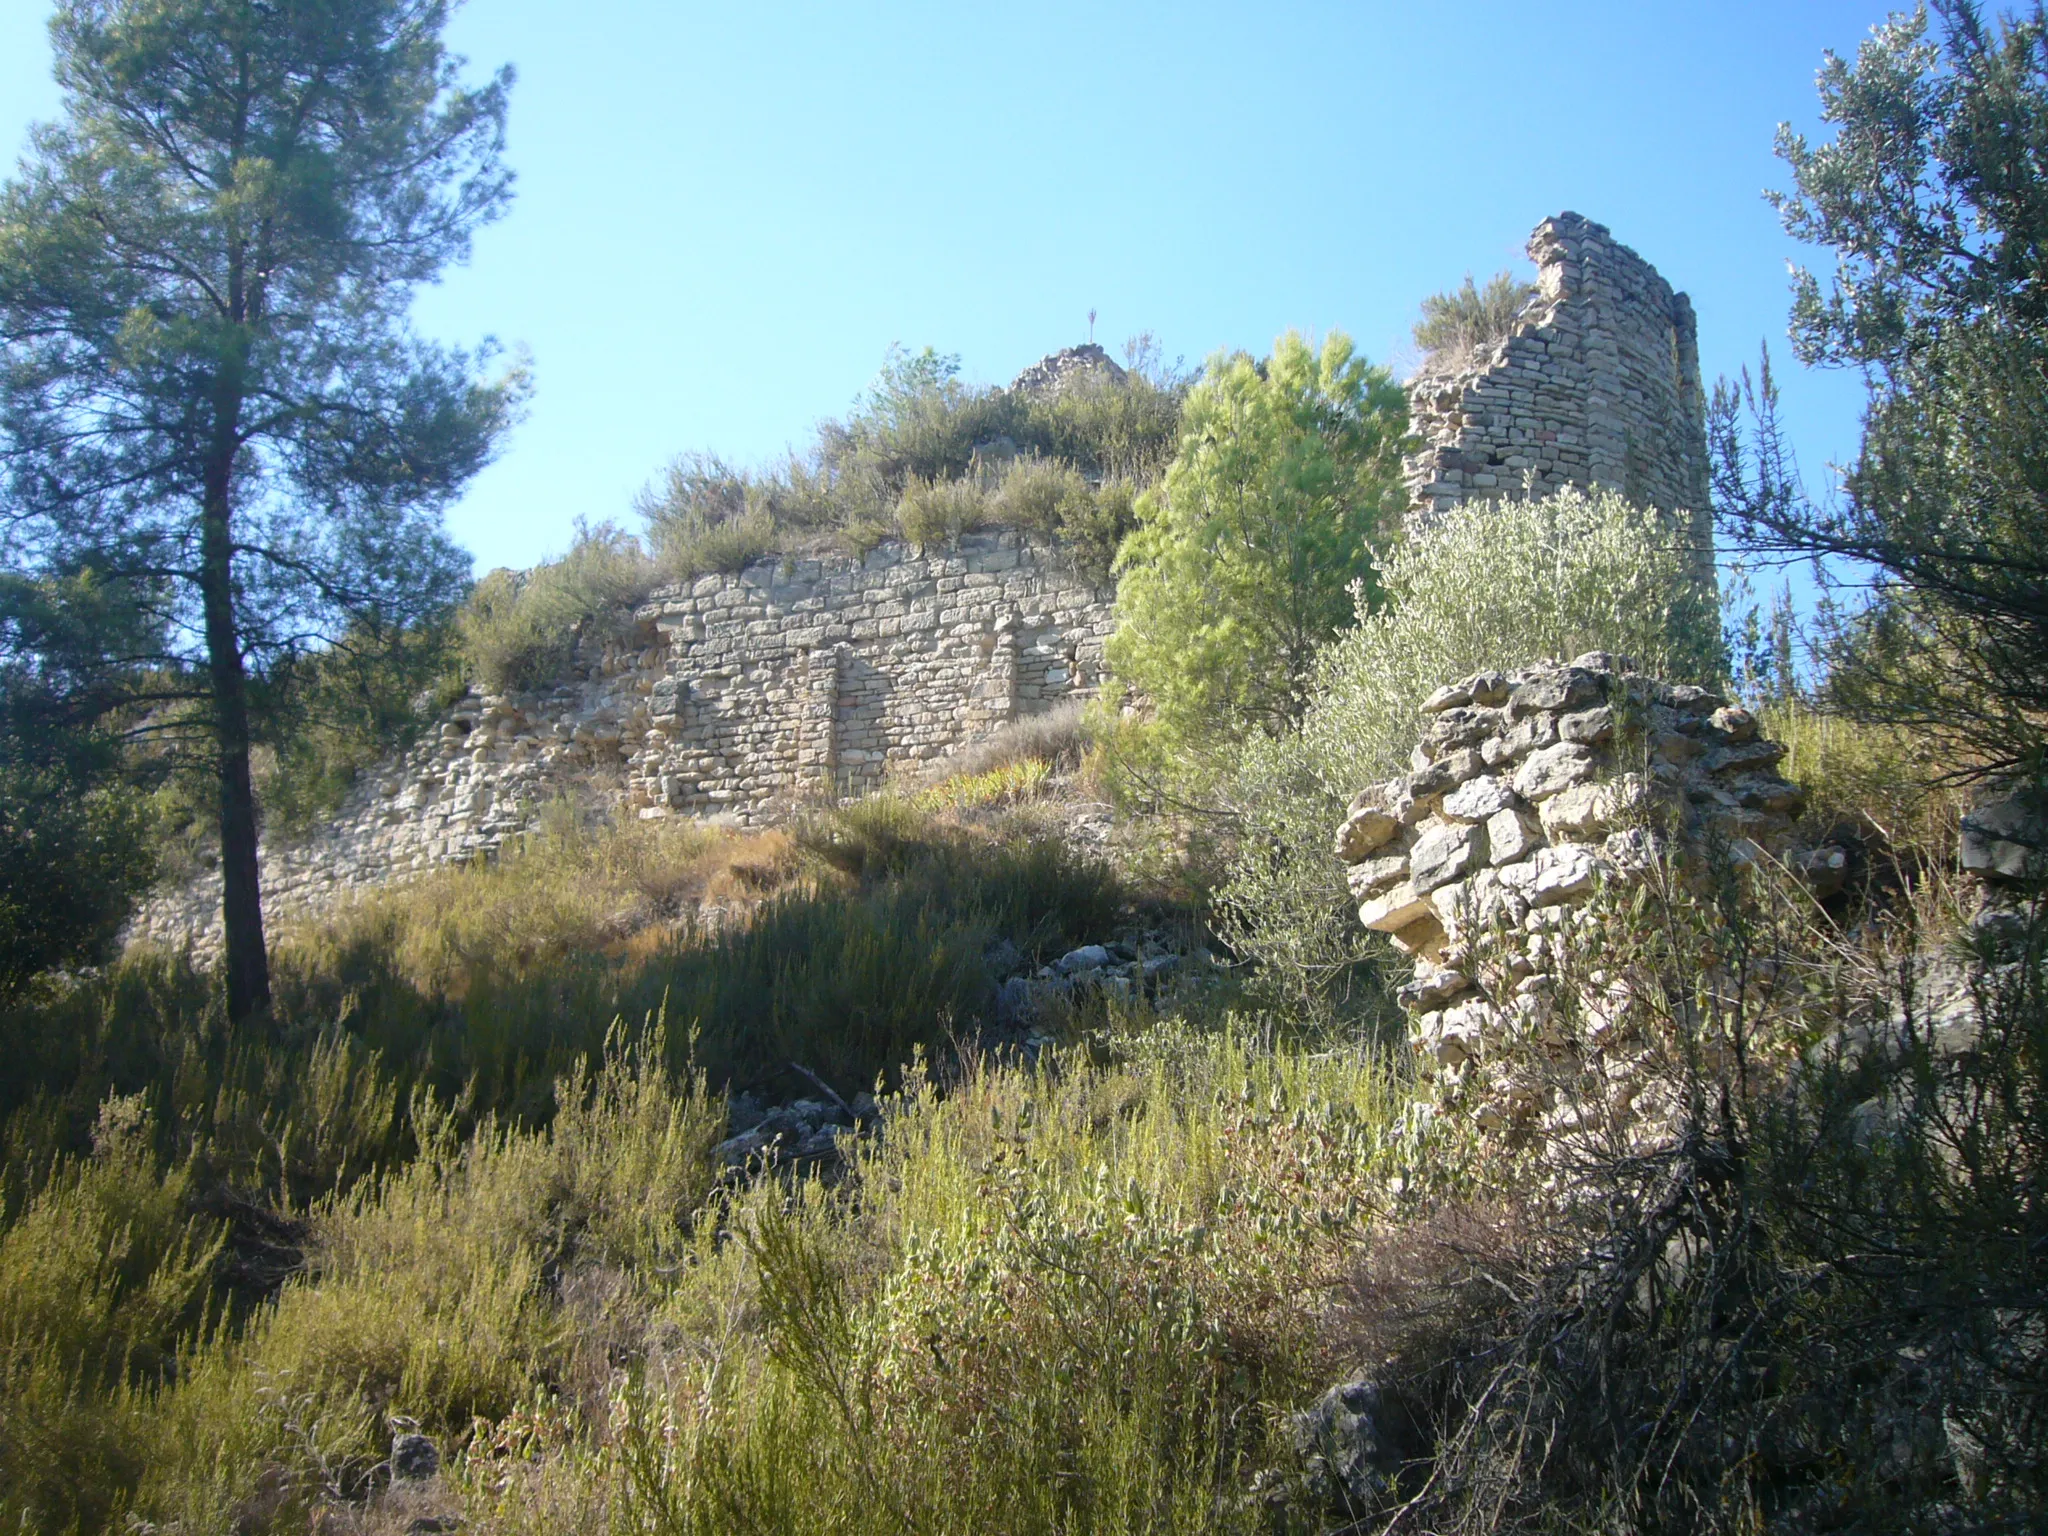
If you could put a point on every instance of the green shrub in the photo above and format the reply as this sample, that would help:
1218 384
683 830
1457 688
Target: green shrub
75 851
1051 498
870 838
1246 554
1058 738
1039 494
847 989
939 511
1126 431
915 457
1501 584
1057 1301
1814 1296
1037 891
327 715
706 516
106 1277
519 630
1457 325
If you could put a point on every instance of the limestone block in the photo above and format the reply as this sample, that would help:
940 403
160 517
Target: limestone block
1590 727
1446 852
1554 874
1395 909
1689 698
1464 726
2006 838
1423 938
1737 725
1746 757
1447 772
1512 835
1529 735
1450 696
1478 799
1675 747
1587 811
1366 829
1551 770
1553 690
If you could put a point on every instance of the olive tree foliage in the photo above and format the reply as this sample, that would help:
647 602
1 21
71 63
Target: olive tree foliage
210 396
1489 585
1930 206
1287 476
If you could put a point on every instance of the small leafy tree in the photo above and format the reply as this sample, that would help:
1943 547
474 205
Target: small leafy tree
1243 559
209 393
1931 203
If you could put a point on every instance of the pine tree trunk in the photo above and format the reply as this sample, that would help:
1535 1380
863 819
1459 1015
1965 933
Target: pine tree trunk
248 962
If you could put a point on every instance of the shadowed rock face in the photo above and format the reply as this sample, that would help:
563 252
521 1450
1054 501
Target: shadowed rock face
2005 837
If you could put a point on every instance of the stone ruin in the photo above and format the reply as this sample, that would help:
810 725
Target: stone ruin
1597 386
1069 366
1529 791
813 678
731 698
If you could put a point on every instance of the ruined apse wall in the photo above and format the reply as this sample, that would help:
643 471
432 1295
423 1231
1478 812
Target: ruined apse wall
737 697
1597 387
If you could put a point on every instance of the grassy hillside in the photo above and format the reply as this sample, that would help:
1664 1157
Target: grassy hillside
467 1184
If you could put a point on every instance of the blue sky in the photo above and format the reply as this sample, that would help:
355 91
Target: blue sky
726 215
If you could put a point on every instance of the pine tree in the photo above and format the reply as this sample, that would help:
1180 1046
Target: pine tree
210 396
1930 202
1243 559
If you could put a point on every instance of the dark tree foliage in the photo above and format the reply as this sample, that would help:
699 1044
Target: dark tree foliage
74 847
210 397
1932 199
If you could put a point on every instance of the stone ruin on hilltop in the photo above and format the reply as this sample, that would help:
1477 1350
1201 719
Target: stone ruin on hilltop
736 698
739 697
1597 386
1060 370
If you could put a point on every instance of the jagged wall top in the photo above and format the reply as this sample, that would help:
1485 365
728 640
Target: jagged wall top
1598 387
1056 370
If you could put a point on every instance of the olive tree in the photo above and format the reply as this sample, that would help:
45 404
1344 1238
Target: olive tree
1929 206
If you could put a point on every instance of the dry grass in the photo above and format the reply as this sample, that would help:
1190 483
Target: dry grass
569 891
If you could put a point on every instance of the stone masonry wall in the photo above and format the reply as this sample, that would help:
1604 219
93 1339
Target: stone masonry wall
815 678
1598 387
819 678
735 697
1530 791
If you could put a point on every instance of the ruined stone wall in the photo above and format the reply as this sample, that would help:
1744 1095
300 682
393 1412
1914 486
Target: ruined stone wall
1598 387
1532 791
819 678
735 697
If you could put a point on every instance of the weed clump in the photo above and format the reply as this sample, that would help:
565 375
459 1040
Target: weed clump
1459 326
520 629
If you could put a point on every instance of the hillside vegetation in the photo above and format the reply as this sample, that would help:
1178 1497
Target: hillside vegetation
1040 1146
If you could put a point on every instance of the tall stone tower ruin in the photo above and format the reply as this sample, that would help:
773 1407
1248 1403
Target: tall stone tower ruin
1598 386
